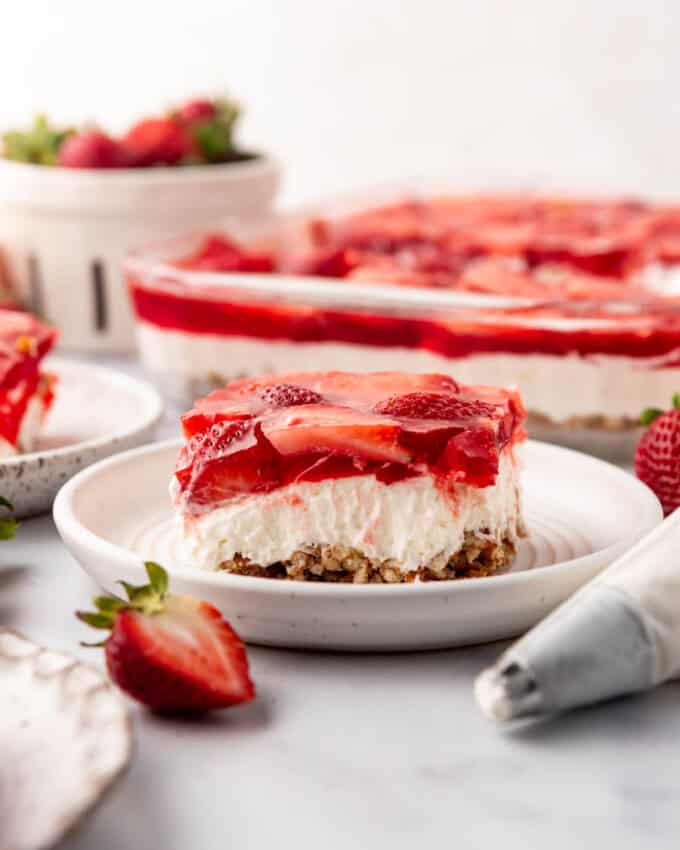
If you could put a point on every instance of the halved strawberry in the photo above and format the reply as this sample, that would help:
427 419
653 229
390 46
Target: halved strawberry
324 427
174 654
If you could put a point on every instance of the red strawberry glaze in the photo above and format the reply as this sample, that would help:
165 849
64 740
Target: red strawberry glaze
242 440
24 341
648 331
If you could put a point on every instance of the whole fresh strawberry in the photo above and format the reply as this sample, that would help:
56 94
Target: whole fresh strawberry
657 457
158 141
198 109
172 653
91 149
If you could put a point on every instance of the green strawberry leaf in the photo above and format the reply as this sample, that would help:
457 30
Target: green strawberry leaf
97 621
148 599
649 415
109 604
158 578
39 144
8 527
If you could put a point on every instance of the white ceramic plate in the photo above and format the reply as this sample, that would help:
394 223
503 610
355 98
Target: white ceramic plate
97 412
581 514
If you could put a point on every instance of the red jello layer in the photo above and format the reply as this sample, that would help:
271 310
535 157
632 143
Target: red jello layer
256 436
24 341
652 332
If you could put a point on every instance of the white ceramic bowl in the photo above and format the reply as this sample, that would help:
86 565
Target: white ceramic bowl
66 231
582 513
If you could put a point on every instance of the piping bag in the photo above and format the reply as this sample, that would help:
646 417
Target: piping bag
619 634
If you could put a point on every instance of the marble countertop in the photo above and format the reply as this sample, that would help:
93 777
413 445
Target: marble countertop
362 751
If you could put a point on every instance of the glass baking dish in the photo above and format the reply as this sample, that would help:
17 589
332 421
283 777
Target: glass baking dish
585 369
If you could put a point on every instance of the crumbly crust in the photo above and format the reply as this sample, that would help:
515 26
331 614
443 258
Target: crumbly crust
480 555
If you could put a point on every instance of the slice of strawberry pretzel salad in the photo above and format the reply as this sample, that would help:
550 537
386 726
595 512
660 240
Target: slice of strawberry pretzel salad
26 393
334 476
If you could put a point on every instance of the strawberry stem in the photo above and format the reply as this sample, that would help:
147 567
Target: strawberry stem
146 598
649 415
8 525
676 399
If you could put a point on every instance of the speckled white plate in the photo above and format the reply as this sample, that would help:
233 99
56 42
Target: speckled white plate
97 412
65 737
581 514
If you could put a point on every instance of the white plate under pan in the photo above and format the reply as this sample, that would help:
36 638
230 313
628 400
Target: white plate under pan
581 514
96 413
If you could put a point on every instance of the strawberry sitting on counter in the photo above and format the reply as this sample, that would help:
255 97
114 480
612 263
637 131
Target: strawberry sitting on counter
173 653
657 457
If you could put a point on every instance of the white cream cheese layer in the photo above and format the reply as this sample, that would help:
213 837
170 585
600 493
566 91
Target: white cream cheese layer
558 387
411 521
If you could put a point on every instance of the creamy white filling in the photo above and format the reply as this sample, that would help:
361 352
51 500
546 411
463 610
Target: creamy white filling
28 430
410 522
558 387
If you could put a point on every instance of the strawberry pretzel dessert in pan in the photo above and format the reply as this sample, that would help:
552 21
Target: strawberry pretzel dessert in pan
577 301
346 477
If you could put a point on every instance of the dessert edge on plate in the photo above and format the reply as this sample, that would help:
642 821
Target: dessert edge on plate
346 477
26 393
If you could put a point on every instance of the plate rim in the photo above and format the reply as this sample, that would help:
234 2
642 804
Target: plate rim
69 527
151 415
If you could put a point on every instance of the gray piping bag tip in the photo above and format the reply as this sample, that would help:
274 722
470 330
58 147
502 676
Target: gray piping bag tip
506 691
593 648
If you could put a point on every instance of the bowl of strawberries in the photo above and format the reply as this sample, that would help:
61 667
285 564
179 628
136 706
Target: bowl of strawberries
74 201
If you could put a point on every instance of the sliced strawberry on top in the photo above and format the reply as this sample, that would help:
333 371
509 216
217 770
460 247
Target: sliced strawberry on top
473 455
324 427
226 460
288 395
335 262
219 254
172 653
376 385
431 405
207 413
430 420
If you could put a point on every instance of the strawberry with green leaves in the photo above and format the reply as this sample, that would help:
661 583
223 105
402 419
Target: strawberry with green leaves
173 653
657 457
40 144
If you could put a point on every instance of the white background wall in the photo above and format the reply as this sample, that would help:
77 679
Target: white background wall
355 92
